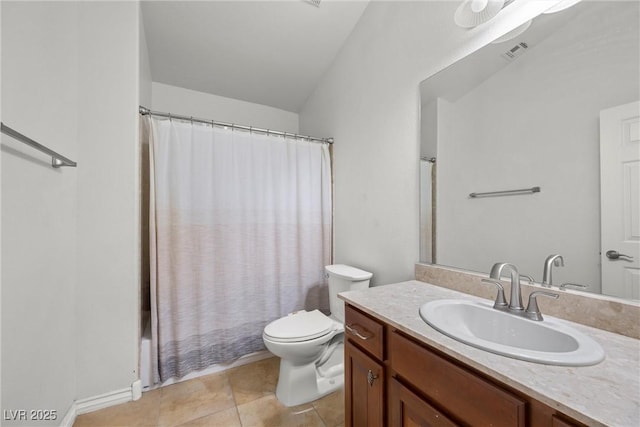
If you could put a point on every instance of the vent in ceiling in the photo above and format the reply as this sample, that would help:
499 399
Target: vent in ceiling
515 51
316 3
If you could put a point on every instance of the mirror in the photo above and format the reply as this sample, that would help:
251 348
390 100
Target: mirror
526 113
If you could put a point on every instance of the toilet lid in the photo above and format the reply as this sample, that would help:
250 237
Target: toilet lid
300 326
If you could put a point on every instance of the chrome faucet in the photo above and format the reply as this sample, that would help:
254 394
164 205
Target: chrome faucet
558 261
515 304
515 300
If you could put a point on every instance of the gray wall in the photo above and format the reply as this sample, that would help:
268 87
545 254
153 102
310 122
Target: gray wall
39 207
108 198
70 245
187 102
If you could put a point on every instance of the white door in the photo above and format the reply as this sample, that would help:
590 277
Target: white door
620 200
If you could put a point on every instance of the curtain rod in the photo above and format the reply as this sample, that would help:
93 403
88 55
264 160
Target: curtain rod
147 112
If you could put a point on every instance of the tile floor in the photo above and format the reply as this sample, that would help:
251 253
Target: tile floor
240 397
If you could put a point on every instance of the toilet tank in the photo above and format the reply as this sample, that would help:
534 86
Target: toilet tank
344 278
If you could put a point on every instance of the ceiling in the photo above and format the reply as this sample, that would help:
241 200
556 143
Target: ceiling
266 52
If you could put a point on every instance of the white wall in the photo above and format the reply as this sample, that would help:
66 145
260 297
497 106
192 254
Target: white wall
70 245
536 123
369 102
1 406
145 66
39 99
429 130
177 100
108 198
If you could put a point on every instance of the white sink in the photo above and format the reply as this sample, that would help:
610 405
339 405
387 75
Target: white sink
550 341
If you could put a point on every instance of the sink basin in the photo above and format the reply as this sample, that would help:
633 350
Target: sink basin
550 341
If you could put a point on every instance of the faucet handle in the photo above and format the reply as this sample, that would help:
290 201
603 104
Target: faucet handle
501 302
533 312
577 285
529 278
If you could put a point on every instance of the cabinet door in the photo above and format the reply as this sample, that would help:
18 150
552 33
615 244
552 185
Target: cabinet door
409 410
364 389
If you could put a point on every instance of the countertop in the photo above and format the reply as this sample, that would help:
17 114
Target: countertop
606 394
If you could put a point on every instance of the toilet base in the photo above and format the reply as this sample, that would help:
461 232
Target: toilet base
300 384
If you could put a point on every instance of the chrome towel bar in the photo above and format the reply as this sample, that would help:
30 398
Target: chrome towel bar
57 160
506 192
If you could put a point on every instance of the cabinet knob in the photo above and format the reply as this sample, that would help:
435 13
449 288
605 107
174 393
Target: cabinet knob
371 377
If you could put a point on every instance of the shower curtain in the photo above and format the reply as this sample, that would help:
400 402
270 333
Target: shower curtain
427 217
240 227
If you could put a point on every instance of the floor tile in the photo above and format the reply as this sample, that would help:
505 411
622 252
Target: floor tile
209 402
140 413
269 412
194 399
226 418
255 380
331 408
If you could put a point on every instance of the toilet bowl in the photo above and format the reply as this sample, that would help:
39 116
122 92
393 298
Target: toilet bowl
310 345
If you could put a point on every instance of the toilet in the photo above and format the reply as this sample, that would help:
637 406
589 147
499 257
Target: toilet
311 345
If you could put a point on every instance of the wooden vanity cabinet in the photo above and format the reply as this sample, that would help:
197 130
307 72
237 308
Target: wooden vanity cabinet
364 370
392 379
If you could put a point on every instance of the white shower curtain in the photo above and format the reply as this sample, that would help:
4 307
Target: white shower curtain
240 227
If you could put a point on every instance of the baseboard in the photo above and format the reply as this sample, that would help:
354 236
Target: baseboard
69 417
94 403
134 392
101 401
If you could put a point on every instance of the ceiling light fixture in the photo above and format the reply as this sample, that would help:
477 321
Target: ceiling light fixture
472 13
513 33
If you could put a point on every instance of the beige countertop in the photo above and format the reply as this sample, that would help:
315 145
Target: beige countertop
606 394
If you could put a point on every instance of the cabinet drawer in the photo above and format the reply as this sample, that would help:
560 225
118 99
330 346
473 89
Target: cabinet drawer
467 397
365 331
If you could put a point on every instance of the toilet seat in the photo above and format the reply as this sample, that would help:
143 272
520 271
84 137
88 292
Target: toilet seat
300 326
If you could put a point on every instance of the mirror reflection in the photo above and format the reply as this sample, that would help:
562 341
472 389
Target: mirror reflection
555 109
